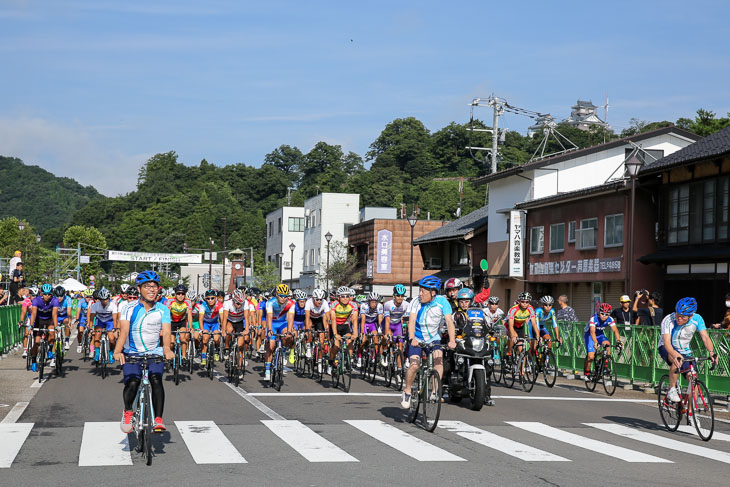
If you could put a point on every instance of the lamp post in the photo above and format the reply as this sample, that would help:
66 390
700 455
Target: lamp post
223 279
291 263
328 237
632 166
412 222
21 226
210 265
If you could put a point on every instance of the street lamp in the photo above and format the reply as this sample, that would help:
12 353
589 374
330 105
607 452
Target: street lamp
21 226
328 237
632 167
412 222
291 263
38 238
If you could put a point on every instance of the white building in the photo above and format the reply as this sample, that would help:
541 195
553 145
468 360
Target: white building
332 213
583 115
196 275
285 226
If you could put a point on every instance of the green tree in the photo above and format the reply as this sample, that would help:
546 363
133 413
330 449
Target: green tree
705 123
92 243
266 275
343 269
405 144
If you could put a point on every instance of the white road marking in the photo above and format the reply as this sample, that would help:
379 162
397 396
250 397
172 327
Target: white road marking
403 442
251 400
599 447
684 428
37 385
499 443
306 442
662 441
207 443
13 436
15 413
585 399
104 444
316 394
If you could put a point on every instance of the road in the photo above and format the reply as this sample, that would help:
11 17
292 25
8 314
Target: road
310 434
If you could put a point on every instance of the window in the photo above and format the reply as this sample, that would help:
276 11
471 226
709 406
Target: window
459 254
722 191
708 211
318 255
296 224
614 231
346 228
586 236
271 229
679 214
319 217
279 224
571 232
537 240
306 261
557 237
311 256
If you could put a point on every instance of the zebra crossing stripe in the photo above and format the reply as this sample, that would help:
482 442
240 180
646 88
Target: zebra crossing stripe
499 443
403 442
13 436
662 441
587 443
207 443
104 444
685 428
306 442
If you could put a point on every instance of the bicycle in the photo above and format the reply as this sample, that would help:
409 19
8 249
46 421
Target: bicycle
521 365
320 354
695 403
603 370
86 343
342 368
547 363
394 360
42 354
277 362
301 362
104 351
143 411
212 351
192 352
498 359
426 390
59 349
235 360
370 358
177 361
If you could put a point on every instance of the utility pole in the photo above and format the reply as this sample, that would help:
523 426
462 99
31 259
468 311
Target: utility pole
252 272
210 264
223 280
496 104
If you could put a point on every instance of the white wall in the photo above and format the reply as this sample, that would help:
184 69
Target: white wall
279 243
505 193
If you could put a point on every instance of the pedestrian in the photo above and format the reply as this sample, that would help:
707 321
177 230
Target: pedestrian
725 323
14 262
4 295
565 313
652 315
624 314
17 282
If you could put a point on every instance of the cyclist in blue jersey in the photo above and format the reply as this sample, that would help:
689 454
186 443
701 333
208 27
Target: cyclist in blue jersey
677 330
211 310
425 315
545 316
594 336
64 312
82 311
279 319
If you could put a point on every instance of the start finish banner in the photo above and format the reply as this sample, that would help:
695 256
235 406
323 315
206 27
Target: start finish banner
125 256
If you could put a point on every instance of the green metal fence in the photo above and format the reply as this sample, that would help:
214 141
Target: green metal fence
639 361
10 334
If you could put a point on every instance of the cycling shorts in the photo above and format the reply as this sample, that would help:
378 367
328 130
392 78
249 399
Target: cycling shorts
590 346
520 331
82 321
237 326
372 328
61 319
298 325
685 362
318 324
343 330
211 326
174 325
135 370
542 331
41 323
418 351
278 328
396 329
107 325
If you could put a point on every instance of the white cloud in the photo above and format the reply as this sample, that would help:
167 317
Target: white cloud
70 151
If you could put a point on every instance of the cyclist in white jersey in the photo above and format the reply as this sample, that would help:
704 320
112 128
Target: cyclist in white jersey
317 315
494 314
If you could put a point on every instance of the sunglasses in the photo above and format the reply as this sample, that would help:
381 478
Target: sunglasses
603 314
210 297
179 294
524 301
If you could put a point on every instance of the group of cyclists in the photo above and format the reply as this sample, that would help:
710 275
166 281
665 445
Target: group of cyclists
145 318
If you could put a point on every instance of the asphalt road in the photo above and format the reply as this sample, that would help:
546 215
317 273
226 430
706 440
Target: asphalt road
312 434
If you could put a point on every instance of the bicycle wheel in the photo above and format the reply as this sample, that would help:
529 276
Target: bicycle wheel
593 382
29 357
550 369
280 357
415 399
509 373
346 372
529 376
388 370
318 365
148 430
211 357
397 366
608 374
431 400
372 363
41 359
703 415
497 366
103 357
176 364
59 358
671 412
191 354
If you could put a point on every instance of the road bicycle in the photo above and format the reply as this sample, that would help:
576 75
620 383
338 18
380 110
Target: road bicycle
178 360
320 357
59 350
144 413
394 361
235 363
426 390
86 343
302 363
547 363
104 351
370 358
42 354
192 351
212 352
278 358
342 368
520 365
604 370
695 403
500 353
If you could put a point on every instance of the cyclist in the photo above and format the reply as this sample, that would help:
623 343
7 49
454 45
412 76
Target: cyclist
123 295
393 314
493 313
316 311
211 308
44 314
451 287
371 319
279 319
300 303
181 316
82 313
425 315
141 327
233 315
26 305
64 312
678 329
101 316
516 318
594 335
261 319
545 316
343 318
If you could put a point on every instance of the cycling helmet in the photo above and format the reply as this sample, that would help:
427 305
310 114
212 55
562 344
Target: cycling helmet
343 291
34 291
104 293
191 295
524 296
160 292
399 290
147 276
430 282
686 306
267 294
95 294
46 289
90 292
373 296
453 283
299 294
221 294
59 292
493 300
133 292
360 298
547 300
465 293
254 291
181 288
318 294
605 308
211 293
238 297
124 288
283 290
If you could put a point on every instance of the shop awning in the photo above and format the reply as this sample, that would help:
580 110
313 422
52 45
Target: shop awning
679 255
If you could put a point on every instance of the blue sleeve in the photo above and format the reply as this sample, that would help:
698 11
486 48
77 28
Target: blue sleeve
165 314
445 306
555 321
700 322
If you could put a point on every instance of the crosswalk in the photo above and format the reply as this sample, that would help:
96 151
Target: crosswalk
104 445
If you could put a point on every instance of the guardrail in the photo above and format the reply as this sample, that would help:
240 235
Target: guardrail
10 334
639 361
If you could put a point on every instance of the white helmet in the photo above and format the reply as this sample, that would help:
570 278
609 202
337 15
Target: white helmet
125 288
191 295
238 297
299 294
373 296
344 291
318 294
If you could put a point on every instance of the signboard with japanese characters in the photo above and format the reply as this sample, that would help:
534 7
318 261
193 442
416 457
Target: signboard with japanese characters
516 239
370 266
384 251
580 266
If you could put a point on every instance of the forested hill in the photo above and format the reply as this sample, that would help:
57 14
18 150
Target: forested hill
37 196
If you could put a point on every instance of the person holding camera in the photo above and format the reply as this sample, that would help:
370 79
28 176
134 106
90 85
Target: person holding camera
651 314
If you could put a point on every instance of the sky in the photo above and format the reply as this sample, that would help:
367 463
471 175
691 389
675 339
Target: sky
92 89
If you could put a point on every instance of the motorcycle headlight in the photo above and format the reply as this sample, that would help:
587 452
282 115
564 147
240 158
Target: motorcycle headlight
459 360
477 344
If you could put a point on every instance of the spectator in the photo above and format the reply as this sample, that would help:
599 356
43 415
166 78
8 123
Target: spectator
13 262
624 314
641 300
651 315
565 313
17 281
4 295
725 323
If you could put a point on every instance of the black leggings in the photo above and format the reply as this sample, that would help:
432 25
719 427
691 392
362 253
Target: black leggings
158 393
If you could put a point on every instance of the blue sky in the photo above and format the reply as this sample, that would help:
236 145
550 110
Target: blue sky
91 89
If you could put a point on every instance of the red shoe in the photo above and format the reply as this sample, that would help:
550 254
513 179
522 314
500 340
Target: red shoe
159 426
126 424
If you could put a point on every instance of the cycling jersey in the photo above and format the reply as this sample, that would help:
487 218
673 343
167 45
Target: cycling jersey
262 307
314 311
681 336
493 319
299 315
599 325
145 328
84 307
544 319
429 317
236 314
45 310
210 315
178 310
343 313
63 307
395 313
371 314
123 303
279 313
520 315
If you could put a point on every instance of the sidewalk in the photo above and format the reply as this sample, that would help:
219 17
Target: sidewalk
15 385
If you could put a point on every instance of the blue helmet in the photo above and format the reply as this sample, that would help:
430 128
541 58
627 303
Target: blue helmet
430 282
147 276
465 293
46 289
686 306
399 290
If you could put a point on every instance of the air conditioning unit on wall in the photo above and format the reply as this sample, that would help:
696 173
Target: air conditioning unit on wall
433 263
